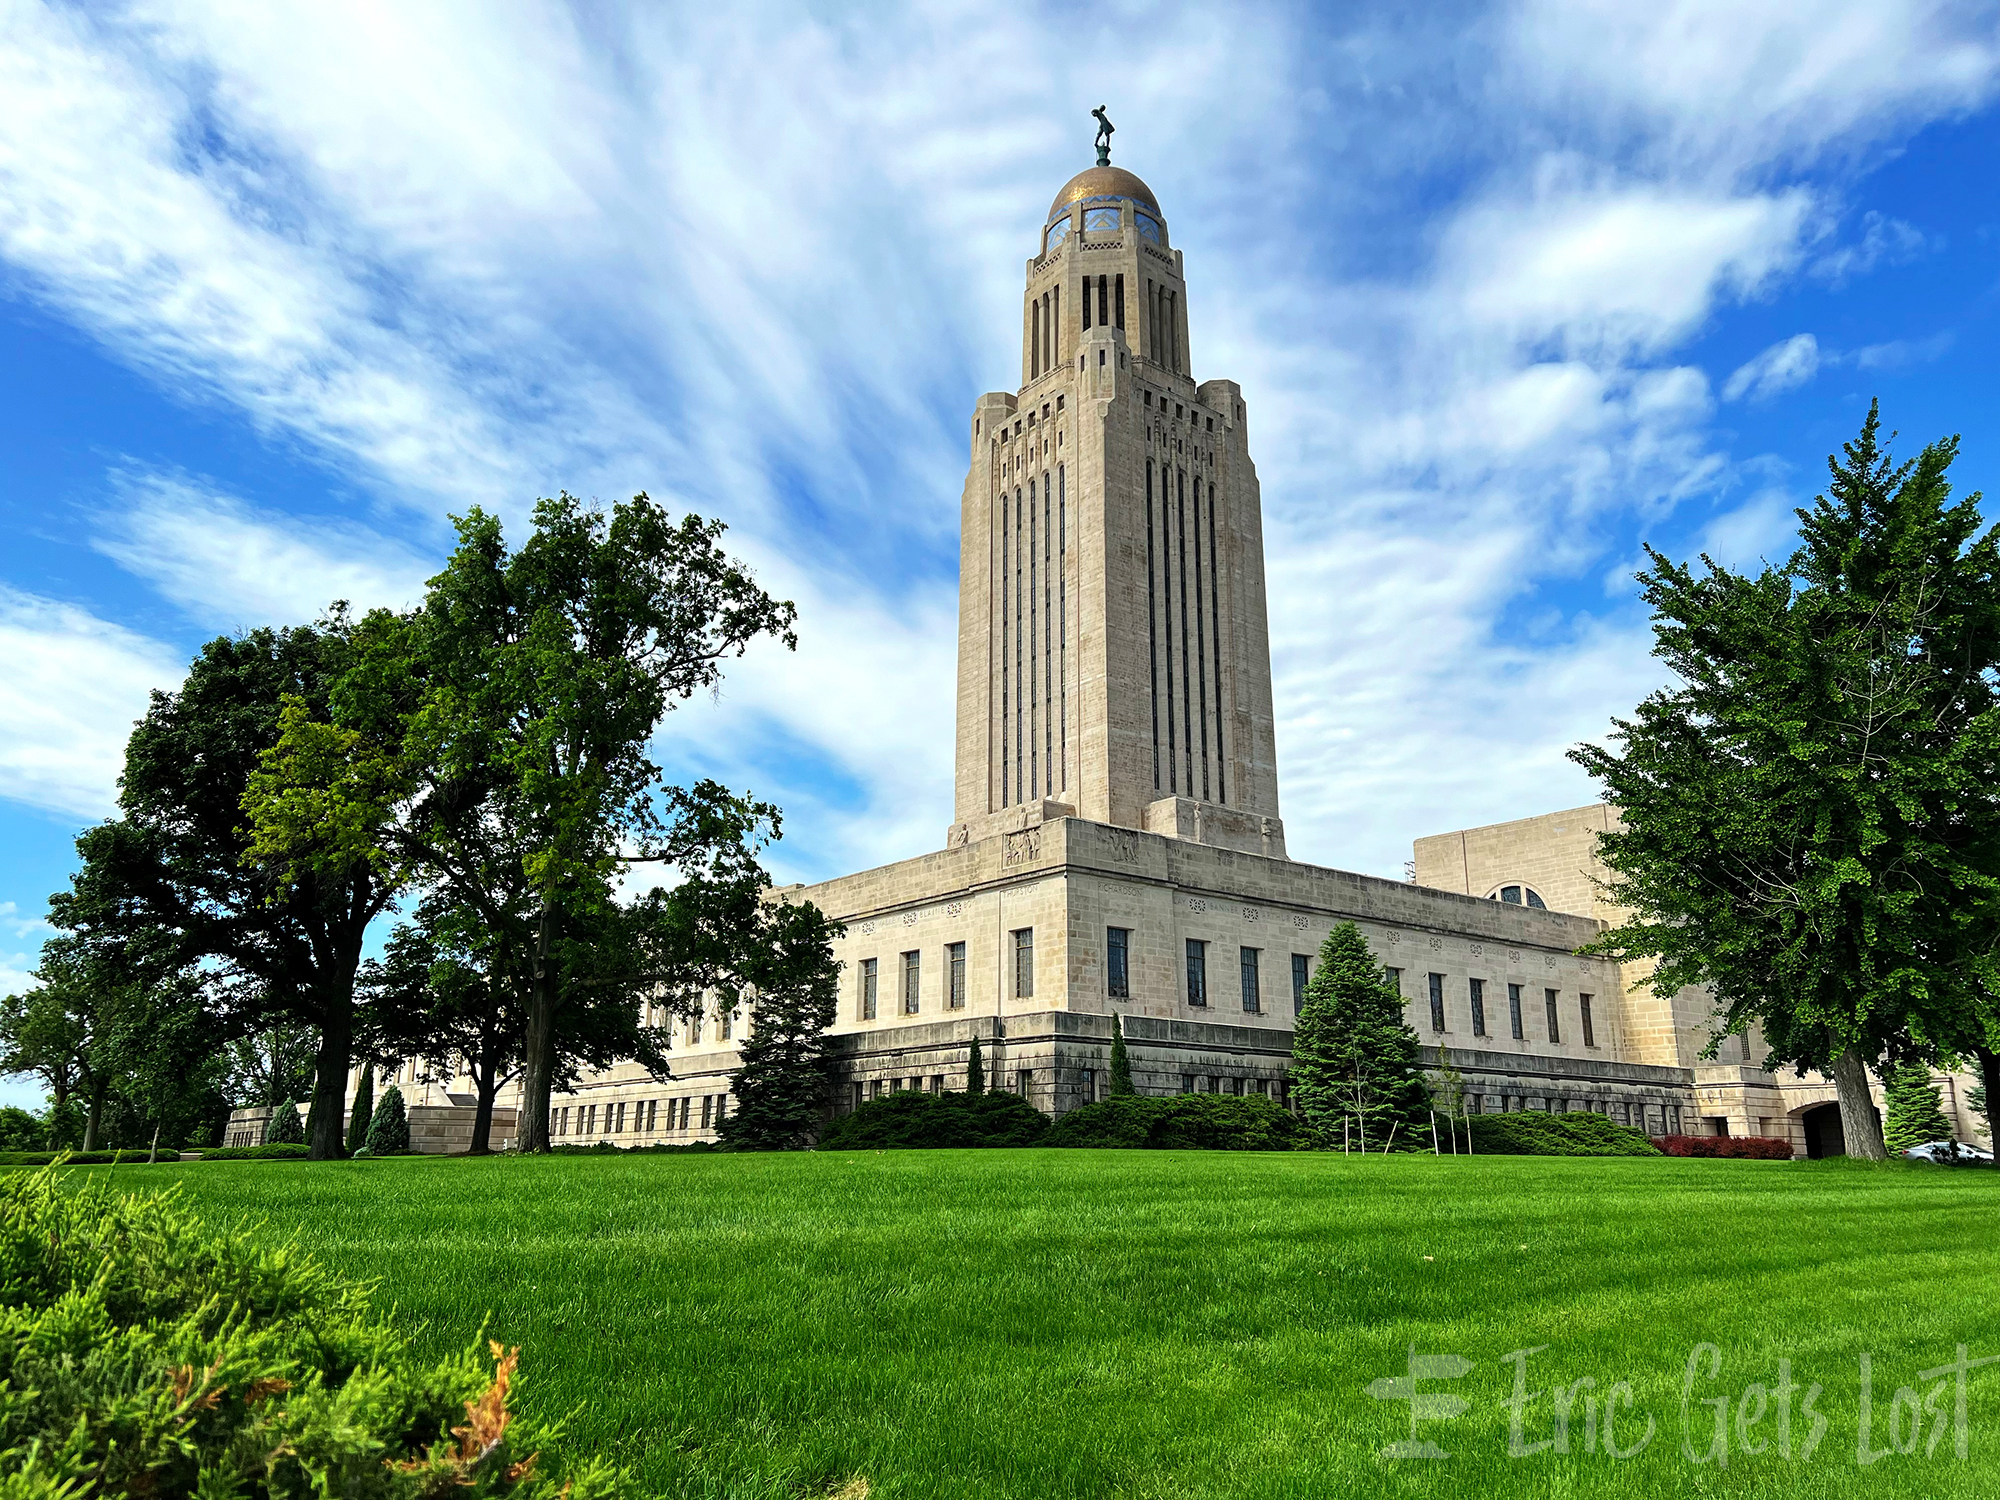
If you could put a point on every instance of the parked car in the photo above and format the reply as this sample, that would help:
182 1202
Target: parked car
1947 1151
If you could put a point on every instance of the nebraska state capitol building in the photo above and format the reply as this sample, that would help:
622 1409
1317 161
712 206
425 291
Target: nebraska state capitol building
1116 843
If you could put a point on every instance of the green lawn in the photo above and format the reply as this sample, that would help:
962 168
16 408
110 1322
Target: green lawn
1046 1323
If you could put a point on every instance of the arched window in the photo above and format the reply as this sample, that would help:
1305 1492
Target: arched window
1518 895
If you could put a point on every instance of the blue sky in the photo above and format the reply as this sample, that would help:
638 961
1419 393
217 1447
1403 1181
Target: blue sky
1510 290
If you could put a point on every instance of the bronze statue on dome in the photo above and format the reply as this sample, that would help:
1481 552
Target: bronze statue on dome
1104 129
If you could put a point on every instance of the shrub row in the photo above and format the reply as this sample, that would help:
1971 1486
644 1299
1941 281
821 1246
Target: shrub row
607 1148
1746 1147
80 1158
147 1355
937 1120
256 1153
1180 1122
1531 1133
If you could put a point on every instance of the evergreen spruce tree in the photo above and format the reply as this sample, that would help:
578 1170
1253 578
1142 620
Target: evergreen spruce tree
389 1131
1121 1065
1914 1116
363 1112
285 1128
781 1090
975 1070
1355 1072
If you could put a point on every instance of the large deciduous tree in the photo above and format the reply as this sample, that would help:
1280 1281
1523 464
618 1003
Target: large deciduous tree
1809 808
547 670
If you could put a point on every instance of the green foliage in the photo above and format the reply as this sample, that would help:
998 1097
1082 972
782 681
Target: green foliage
975 1069
1915 1114
1180 1122
19 1130
80 1158
1121 1063
389 1130
363 1113
296 1151
284 1128
914 1119
1355 1072
144 1355
1808 825
1532 1133
780 1092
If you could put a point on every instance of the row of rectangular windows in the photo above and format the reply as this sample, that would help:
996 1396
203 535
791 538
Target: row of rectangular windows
1249 969
1516 1021
1091 1085
584 1120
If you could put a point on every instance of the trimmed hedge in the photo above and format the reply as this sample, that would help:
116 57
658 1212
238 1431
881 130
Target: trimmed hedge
1532 1133
144 1354
914 1120
75 1158
1741 1147
257 1153
1180 1122
663 1148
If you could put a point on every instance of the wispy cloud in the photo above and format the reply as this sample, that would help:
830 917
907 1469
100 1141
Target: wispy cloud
1784 366
73 688
230 567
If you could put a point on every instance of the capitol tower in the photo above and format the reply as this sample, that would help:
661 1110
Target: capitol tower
1114 659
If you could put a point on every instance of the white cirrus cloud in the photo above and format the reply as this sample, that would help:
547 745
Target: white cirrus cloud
74 687
1786 365
231 567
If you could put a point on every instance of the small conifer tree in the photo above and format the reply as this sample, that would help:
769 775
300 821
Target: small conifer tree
782 1088
389 1131
1355 1069
285 1128
975 1070
1914 1116
363 1112
1121 1065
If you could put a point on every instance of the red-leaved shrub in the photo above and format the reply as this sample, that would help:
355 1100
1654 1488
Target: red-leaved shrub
1751 1147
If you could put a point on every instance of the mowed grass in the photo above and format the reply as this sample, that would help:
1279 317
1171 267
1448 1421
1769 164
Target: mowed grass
1065 1323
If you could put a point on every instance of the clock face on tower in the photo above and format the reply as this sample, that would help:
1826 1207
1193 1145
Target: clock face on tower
1114 656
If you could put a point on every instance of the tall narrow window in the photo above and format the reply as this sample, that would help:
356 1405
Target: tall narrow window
868 978
912 988
1187 687
1024 963
1062 609
1034 338
1006 680
1055 326
1152 627
1514 1012
1117 963
1477 991
1253 994
954 957
1437 1002
1121 300
1215 645
1589 1030
1301 972
1028 699
1197 972
707 1110
1103 303
1167 613
1200 645
1555 1020
1086 304
1048 640
1020 677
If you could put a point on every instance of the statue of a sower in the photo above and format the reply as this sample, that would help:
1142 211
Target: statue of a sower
1104 129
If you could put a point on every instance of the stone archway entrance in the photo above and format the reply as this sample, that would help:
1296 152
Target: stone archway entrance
1823 1133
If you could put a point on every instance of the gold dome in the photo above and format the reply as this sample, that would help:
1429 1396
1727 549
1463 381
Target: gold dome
1103 182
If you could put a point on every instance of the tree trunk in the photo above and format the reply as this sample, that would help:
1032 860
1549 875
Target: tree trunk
539 1046
326 1121
1860 1126
1989 1079
485 1085
95 1119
